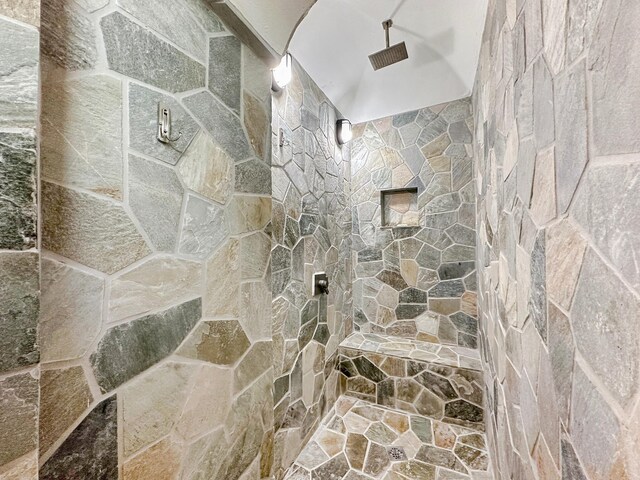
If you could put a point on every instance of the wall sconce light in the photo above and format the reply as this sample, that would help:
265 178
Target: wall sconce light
344 131
281 75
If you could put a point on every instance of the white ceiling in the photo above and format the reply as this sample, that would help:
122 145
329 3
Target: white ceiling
443 40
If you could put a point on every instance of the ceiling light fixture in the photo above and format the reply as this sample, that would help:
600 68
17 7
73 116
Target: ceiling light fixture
281 75
344 131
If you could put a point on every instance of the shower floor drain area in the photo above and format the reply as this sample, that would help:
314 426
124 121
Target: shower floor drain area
397 454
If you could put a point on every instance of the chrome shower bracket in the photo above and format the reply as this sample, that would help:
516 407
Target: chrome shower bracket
164 125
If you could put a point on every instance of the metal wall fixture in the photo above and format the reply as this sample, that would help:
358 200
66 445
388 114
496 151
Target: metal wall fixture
164 125
320 284
281 75
344 131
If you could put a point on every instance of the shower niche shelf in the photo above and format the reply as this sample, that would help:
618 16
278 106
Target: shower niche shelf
399 208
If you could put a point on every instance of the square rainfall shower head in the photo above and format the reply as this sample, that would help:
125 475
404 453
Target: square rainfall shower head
389 56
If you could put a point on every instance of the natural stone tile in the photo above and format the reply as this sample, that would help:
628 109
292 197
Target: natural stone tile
223 126
27 11
615 50
561 355
255 363
604 207
538 298
256 121
223 281
377 460
24 468
18 212
554 19
89 230
224 70
19 291
221 342
440 457
543 199
206 169
157 283
137 53
143 124
155 197
605 329
204 228
129 349
254 255
253 176
336 467
256 75
68 34
70 311
64 396
19 59
82 134
160 462
571 133
173 20
571 467
543 110
565 249
255 310
91 450
18 416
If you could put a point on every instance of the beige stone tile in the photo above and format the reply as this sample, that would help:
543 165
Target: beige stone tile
543 199
565 249
27 11
159 462
24 468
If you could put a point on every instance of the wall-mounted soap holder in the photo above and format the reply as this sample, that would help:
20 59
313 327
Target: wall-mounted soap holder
164 125
320 284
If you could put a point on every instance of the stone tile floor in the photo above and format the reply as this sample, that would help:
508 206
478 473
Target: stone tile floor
450 355
354 439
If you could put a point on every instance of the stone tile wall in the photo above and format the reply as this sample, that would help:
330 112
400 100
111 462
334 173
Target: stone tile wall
19 247
416 282
155 330
557 146
311 228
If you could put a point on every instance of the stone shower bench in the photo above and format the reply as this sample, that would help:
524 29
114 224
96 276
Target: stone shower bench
442 382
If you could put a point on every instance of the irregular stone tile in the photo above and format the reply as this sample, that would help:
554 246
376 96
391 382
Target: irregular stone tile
571 467
604 207
253 177
223 281
204 228
70 311
173 20
571 133
463 413
64 396
143 124
18 416
337 467
137 53
19 304
311 456
129 349
89 230
594 427
27 11
543 110
543 201
255 310
377 460
565 251
221 342
538 298
356 449
223 126
68 35
415 470
72 153
254 255
202 457
152 404
472 458
440 457
257 75
256 121
604 326
157 283
19 60
91 450
255 363
554 20
161 462
614 50
18 211
380 433
155 197
224 70
24 468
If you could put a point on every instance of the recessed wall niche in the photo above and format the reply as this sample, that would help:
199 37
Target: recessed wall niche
400 207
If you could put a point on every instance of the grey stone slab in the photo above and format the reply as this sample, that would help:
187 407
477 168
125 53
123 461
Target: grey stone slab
91 450
136 52
19 60
538 299
68 35
447 289
253 177
95 232
18 416
403 119
18 211
224 126
525 170
543 109
413 158
410 133
523 101
155 197
606 207
571 133
19 305
605 327
173 19
143 124
571 468
82 134
432 131
225 70
128 349
561 353
459 132
204 228
614 62
27 11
